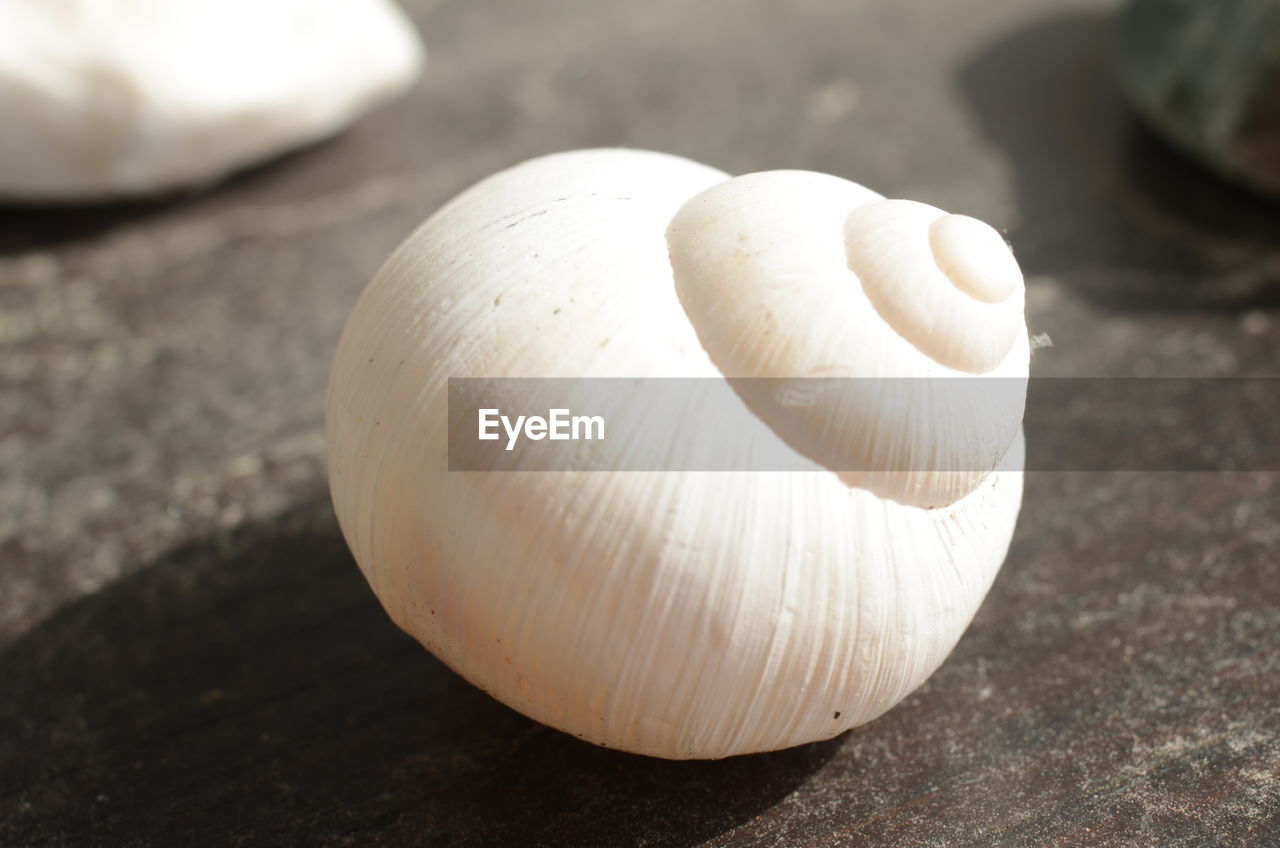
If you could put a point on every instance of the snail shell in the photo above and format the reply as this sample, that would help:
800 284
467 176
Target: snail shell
685 614
105 98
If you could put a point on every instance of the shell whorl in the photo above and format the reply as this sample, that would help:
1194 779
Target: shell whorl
792 275
946 283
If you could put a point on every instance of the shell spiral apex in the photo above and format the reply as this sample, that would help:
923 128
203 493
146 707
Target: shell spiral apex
947 283
689 614
830 280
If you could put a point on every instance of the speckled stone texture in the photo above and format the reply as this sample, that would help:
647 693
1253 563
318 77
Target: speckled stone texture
188 655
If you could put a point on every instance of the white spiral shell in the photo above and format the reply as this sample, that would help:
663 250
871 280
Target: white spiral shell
684 614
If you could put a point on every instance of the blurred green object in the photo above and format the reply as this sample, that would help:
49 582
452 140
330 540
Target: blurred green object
1205 75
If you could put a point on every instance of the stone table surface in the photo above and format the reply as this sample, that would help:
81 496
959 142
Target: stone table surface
189 656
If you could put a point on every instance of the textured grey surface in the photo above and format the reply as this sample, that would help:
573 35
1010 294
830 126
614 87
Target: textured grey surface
188 655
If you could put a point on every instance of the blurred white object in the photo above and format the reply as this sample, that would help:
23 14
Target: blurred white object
102 98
